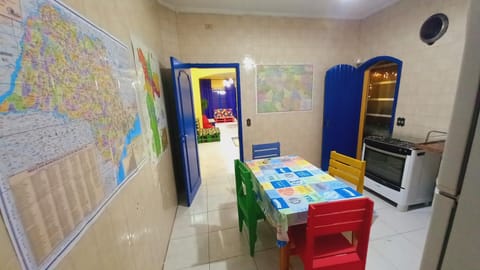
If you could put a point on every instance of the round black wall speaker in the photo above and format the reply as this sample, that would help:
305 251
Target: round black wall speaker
434 28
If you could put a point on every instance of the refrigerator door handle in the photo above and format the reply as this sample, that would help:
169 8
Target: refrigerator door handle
448 195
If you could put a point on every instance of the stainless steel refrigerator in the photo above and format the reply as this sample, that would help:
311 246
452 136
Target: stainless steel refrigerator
453 239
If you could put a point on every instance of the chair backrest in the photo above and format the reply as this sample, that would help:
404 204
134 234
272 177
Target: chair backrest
266 150
347 168
352 215
243 184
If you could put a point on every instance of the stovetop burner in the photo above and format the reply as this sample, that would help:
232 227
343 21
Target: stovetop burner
392 141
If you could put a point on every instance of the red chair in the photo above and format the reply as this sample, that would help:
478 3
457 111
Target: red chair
321 245
205 122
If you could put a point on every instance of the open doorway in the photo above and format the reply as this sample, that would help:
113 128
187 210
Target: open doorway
215 100
191 127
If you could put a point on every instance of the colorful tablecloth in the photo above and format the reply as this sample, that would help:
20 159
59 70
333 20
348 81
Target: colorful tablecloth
286 185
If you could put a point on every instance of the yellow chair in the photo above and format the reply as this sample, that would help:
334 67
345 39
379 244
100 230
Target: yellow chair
347 168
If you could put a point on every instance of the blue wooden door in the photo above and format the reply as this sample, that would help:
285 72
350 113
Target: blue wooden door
341 112
187 129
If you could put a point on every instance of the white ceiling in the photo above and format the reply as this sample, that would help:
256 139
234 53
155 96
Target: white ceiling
338 9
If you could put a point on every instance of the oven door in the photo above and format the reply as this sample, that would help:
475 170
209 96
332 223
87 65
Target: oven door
384 167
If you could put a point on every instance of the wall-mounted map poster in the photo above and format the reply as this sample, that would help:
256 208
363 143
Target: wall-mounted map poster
151 99
70 131
10 9
284 88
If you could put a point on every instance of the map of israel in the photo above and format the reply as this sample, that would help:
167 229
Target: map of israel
70 131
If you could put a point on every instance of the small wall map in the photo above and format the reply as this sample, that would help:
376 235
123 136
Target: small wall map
284 88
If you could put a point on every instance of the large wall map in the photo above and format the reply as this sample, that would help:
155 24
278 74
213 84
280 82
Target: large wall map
70 131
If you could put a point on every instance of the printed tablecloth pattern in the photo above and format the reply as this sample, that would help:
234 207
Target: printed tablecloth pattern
286 185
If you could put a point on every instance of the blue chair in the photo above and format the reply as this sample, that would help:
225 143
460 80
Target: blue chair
266 150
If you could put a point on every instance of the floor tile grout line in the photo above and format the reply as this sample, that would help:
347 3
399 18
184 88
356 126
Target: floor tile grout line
170 239
413 243
396 234
208 239
404 232
226 228
189 236
414 230
383 237
391 264
228 258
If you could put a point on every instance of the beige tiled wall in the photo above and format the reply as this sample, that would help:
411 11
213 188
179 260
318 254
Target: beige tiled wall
134 230
272 40
430 73
8 260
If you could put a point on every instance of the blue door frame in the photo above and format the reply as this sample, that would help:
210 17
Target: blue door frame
189 147
342 104
236 66
368 64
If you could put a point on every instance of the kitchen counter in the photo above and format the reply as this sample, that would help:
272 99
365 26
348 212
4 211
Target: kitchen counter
435 146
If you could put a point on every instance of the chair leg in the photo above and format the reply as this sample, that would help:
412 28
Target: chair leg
285 257
252 236
240 219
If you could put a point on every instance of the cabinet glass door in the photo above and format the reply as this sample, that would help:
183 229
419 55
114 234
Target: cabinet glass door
380 99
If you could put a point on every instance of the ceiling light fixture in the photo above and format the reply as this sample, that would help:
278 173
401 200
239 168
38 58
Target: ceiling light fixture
248 63
228 83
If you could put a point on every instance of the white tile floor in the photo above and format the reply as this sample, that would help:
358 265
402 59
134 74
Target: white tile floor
205 236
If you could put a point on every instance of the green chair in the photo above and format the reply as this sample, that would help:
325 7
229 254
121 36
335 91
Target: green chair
247 207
